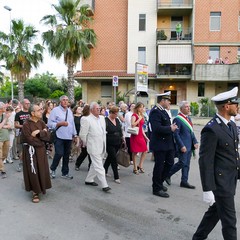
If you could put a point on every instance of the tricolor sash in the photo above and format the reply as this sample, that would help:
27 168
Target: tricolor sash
185 120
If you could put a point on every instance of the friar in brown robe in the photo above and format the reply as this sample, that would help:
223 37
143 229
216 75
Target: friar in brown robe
35 161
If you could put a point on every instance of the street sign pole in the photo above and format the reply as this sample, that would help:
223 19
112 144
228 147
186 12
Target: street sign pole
115 85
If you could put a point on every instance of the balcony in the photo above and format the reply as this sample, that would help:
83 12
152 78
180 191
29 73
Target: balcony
166 35
216 72
174 71
175 7
91 3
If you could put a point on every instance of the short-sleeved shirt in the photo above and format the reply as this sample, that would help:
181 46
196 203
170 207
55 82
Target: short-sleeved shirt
21 117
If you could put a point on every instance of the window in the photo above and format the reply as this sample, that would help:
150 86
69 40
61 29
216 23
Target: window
214 52
106 89
142 55
215 21
201 89
142 22
230 86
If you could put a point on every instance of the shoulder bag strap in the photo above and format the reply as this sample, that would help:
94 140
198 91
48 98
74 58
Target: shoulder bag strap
65 120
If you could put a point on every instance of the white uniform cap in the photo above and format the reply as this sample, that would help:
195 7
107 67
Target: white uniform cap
166 95
226 97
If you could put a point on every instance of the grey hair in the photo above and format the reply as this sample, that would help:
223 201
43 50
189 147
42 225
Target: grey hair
31 108
123 105
63 96
25 100
92 105
182 104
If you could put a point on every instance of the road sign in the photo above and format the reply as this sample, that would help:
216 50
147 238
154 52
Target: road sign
115 81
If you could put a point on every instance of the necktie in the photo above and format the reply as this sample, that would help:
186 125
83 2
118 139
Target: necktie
230 127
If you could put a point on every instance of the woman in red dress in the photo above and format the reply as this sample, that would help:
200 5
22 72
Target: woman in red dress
138 143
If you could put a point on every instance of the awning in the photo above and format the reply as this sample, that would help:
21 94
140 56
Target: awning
174 54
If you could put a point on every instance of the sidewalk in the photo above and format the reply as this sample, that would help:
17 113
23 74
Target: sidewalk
200 120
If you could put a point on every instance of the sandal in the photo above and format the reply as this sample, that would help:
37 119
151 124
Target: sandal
135 171
35 198
141 170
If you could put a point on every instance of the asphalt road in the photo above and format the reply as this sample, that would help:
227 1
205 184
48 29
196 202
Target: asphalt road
72 210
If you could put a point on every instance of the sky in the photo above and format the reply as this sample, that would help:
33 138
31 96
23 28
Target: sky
31 12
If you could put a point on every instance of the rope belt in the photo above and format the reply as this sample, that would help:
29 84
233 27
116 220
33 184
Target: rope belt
31 151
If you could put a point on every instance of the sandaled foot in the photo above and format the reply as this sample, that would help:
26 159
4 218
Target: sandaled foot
141 170
135 171
35 198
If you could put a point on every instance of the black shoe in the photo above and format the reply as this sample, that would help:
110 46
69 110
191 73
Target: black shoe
161 193
187 185
91 183
168 181
106 189
164 188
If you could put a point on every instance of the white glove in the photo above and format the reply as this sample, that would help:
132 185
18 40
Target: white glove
208 197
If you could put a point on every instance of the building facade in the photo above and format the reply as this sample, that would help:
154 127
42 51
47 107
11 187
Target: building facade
174 38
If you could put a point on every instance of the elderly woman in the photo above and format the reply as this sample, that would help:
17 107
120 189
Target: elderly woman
114 140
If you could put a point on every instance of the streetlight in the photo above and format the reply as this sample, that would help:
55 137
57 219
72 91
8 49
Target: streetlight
10 31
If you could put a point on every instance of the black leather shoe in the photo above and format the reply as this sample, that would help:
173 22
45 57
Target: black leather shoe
106 189
161 193
168 181
164 189
187 185
91 183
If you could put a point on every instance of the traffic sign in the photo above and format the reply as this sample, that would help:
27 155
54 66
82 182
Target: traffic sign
115 81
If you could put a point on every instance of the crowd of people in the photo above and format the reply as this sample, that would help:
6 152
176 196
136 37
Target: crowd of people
98 132
89 131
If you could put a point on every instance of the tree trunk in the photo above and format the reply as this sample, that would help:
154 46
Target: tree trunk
71 83
20 91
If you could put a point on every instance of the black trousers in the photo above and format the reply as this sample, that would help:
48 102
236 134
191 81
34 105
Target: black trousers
82 156
164 160
224 210
111 159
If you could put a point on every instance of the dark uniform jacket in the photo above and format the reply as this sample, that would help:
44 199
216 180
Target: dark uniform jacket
219 158
161 137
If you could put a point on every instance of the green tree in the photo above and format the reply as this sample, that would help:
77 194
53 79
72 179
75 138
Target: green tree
20 53
56 94
78 93
42 85
69 36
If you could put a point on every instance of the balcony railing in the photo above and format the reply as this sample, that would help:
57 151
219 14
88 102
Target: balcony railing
174 70
216 72
170 34
174 3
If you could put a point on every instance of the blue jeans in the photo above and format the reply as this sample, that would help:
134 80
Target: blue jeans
184 164
62 150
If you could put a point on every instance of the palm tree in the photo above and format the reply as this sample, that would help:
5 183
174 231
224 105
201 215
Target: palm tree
20 53
70 36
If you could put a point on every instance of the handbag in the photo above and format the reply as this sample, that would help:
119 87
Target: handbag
123 157
53 134
133 130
